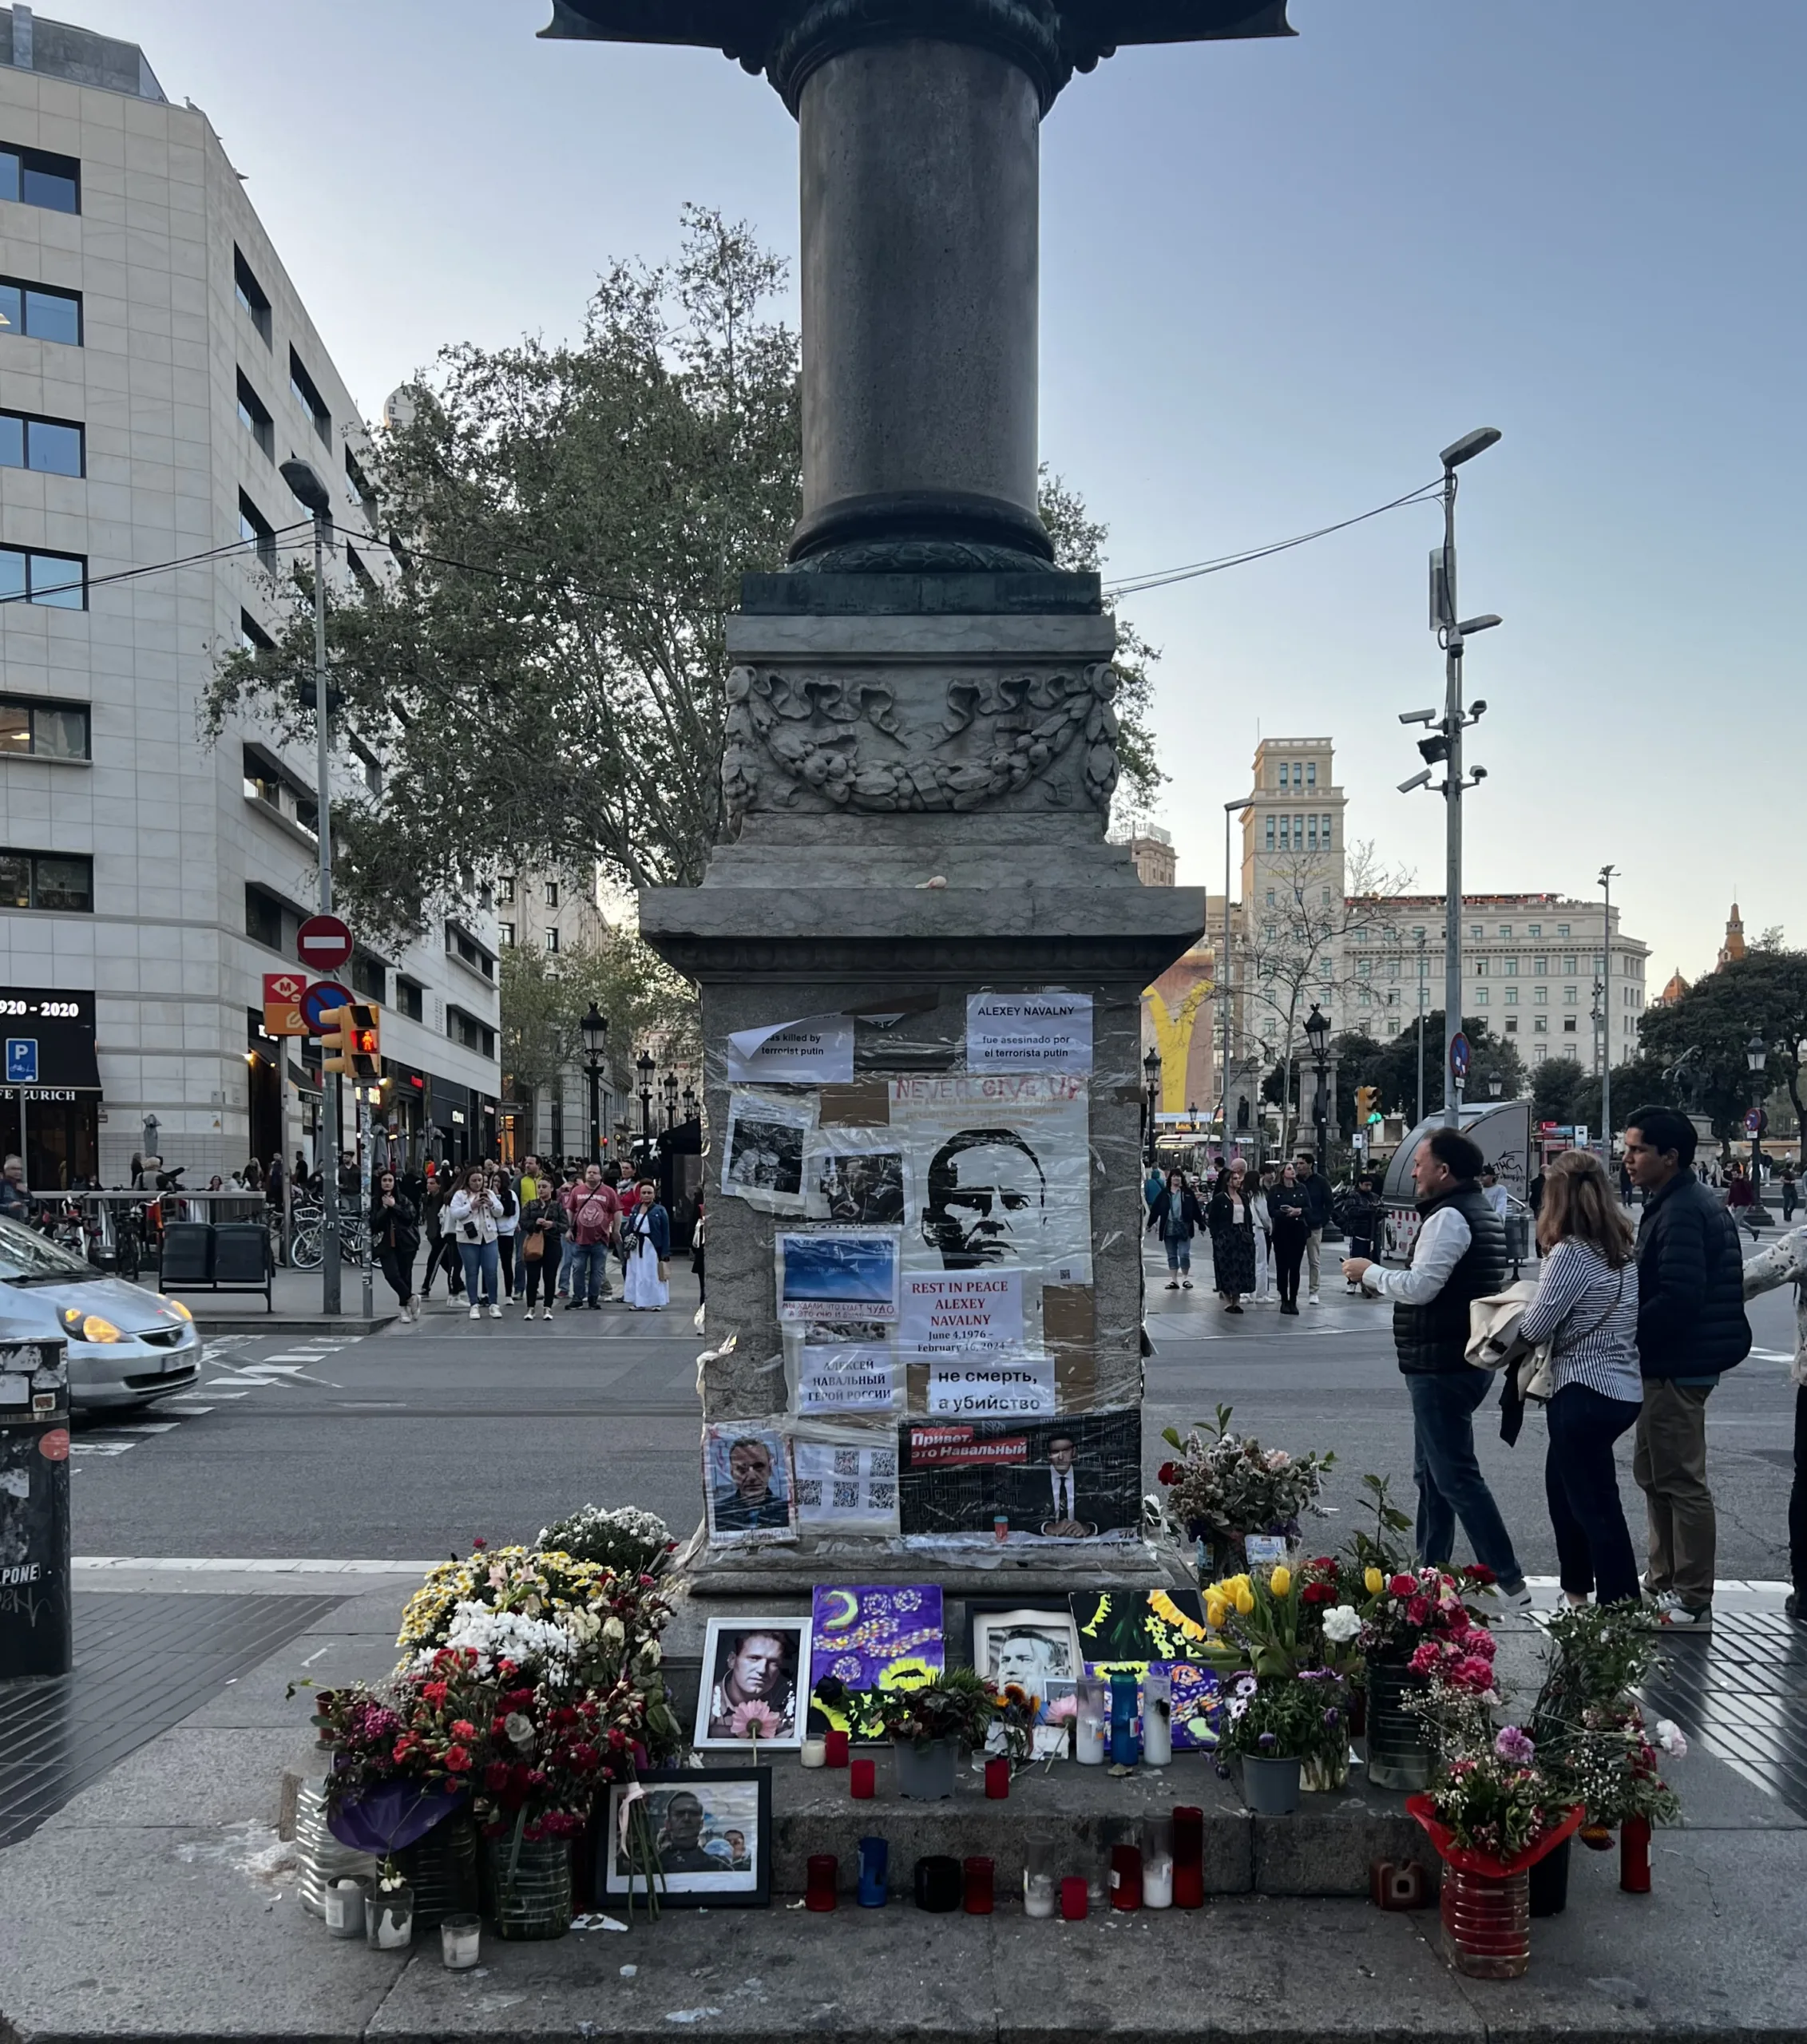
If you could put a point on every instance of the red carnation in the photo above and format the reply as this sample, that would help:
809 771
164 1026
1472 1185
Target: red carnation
1480 1572
1168 1473
463 1729
1318 1593
479 1543
495 1775
433 1693
1402 1586
458 1759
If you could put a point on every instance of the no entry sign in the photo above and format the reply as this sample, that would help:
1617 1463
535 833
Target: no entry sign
324 944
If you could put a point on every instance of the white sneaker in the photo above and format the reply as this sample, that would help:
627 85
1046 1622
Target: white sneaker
477 1312
547 1314
495 1313
1686 1617
1314 1299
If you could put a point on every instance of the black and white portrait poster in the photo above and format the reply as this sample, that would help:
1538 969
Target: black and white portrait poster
1001 1165
763 1154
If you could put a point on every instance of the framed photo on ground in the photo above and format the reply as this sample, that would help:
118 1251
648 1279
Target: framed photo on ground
1039 1651
710 1830
755 1676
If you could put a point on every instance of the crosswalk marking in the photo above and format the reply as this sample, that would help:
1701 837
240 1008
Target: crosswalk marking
274 1372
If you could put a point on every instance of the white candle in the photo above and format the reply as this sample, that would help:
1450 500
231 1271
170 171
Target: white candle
815 1753
1088 1742
460 1938
1157 1717
1157 1884
1038 1895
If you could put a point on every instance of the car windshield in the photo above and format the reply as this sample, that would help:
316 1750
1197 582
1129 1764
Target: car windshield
27 1257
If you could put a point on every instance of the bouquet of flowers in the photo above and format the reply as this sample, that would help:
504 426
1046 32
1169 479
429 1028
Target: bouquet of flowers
1591 1730
1228 1486
1292 1716
957 1704
1285 1620
622 1537
1422 1618
1497 1802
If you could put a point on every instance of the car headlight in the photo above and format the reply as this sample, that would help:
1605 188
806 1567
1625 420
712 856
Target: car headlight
80 1326
176 1306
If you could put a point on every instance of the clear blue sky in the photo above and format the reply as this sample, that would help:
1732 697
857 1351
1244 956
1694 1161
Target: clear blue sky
1277 277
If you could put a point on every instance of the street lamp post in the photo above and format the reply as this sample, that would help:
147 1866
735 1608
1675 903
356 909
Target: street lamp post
1606 873
690 1103
1151 1074
1495 1086
646 1064
669 1086
594 1029
1444 747
1757 1056
1224 975
312 494
1317 1036
1421 1031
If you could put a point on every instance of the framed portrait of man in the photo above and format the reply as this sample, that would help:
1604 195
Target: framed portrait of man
1038 1651
755 1674
701 1839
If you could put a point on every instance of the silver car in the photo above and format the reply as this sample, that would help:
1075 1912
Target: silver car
128 1346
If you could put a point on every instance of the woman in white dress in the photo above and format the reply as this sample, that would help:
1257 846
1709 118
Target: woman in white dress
646 1242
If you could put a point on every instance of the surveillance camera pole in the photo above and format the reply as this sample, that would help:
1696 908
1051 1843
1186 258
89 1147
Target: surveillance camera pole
1452 799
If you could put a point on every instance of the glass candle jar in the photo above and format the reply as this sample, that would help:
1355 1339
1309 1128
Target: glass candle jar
1157 1716
863 1778
1091 1710
1126 1877
1157 1863
1126 1748
460 1941
939 1883
835 1745
1188 1857
1072 1898
979 1872
997 1778
1042 1875
819 1893
874 1856
815 1753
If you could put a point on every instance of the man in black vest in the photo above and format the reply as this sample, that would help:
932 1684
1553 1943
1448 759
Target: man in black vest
1459 1255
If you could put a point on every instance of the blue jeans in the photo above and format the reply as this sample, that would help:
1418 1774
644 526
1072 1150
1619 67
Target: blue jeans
480 1260
1450 1484
1581 1482
590 1272
1179 1252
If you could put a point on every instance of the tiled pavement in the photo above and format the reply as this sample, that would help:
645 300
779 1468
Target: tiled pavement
1741 1693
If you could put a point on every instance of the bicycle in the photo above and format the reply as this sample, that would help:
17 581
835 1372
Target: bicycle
306 1250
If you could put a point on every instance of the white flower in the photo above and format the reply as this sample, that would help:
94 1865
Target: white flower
1670 1737
519 1729
614 1631
1342 1624
651 1653
1277 1457
507 1636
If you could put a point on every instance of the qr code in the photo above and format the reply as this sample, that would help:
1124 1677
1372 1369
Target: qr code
809 1491
884 1462
846 1461
881 1497
846 1497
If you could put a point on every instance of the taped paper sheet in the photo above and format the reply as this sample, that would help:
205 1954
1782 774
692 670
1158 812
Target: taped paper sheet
763 1153
817 1050
950 1312
1029 1032
993 1388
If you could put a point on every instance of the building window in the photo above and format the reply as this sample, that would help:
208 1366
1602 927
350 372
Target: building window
59 580
469 951
551 893
1510 966
360 572
308 398
255 527
1269 932
1562 929
410 997
505 935
1568 963
551 939
1505 930
1271 833
1480 968
370 976
254 416
1571 996
1481 997
263 918
1541 996
1365 997
1511 1025
1540 966
1475 932
1568 1024
39 314
504 888
1312 832
1299 772
1511 996
1326 897
52 447
467 1030
1364 967
251 294
1324 821
1271 897
29 729
1311 773
51 881
40 179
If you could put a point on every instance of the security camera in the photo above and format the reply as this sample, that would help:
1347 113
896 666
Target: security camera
1417 716
1417 781
1478 708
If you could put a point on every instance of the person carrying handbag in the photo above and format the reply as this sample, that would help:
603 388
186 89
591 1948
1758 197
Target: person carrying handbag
646 1242
1586 1307
541 1247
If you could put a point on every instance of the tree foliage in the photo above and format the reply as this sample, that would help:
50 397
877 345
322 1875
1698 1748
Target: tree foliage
542 676
1701 1041
544 999
1392 1067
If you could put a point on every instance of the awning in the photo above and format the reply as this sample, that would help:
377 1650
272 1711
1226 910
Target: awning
305 1081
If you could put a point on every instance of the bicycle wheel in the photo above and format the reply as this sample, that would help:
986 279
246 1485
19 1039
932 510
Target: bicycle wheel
304 1249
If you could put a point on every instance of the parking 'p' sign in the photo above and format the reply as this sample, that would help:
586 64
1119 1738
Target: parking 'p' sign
21 1061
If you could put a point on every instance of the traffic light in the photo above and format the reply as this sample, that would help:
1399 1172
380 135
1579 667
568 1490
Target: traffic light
1367 1106
352 1041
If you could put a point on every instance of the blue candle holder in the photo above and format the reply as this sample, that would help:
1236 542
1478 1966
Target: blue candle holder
1126 1748
875 1855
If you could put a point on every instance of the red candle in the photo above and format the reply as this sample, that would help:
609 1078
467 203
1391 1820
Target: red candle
1072 1897
1188 1857
863 1780
978 1887
997 1778
819 1894
1126 1877
836 1742
1634 1855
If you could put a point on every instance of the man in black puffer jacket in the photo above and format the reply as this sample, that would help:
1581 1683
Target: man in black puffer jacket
1691 1326
1459 1255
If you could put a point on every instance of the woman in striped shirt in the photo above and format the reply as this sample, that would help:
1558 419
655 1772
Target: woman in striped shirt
1587 1309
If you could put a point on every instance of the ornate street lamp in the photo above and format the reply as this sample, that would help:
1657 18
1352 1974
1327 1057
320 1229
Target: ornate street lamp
646 1064
1757 1056
594 1030
1152 1072
669 1086
1317 1036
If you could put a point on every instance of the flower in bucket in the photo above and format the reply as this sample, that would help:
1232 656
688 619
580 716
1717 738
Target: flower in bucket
1227 1486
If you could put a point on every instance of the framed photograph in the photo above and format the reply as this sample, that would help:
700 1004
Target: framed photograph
711 1829
838 1274
1038 1650
747 1491
755 1674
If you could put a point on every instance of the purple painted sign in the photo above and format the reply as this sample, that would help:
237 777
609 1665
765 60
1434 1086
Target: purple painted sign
868 1635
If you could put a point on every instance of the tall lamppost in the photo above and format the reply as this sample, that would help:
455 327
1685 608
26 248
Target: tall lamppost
646 1064
1317 1036
690 1103
1606 873
1443 746
669 1086
594 1030
1225 976
1151 1074
1757 1056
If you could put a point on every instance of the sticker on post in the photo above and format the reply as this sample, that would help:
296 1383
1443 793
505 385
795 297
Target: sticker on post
1029 1032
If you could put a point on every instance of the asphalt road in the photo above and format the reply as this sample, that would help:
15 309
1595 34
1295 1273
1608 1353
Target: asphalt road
406 1443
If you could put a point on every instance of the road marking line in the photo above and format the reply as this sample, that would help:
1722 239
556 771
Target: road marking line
147 1427
213 1565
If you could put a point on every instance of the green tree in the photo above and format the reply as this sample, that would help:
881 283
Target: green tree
1701 1041
1393 1066
542 678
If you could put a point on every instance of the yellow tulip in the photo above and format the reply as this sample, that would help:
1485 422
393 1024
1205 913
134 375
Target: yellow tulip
1215 1616
1375 1582
1245 1602
1281 1581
